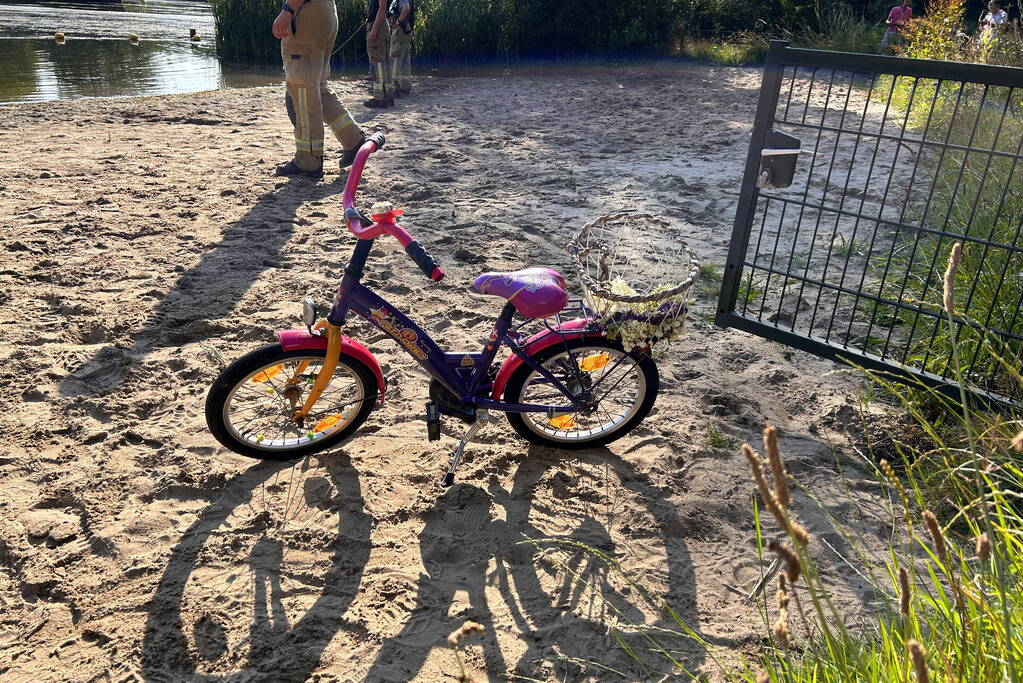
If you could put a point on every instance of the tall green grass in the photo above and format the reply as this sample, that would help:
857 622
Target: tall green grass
948 589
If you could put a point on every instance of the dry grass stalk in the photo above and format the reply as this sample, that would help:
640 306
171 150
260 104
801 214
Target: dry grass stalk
886 467
770 500
890 473
778 474
904 593
934 529
763 678
950 276
789 557
938 538
780 630
462 631
918 655
455 638
983 547
1017 442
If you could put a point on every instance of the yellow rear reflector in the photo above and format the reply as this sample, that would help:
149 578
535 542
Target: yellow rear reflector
594 362
327 422
562 422
265 375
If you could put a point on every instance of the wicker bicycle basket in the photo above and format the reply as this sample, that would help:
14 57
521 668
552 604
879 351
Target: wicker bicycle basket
637 273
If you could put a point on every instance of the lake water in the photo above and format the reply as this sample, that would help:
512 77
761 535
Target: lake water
98 60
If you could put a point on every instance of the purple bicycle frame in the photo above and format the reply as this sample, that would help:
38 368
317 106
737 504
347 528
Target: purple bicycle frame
353 296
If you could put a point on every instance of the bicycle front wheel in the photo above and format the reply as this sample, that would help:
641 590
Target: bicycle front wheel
250 404
624 387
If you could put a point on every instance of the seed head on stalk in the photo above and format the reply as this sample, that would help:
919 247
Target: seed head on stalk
801 535
904 594
780 630
983 547
934 529
778 474
455 638
950 276
918 655
789 557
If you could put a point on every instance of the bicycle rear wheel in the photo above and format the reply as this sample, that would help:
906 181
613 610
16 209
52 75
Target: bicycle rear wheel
249 406
625 386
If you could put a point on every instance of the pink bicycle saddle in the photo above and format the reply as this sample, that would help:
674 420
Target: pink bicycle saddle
535 292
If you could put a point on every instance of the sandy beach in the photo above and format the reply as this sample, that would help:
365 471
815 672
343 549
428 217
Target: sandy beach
146 242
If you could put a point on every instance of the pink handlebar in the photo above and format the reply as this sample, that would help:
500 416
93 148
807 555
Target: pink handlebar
384 224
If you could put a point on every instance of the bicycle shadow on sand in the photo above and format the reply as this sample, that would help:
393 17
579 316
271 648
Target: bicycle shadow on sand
189 309
184 640
463 534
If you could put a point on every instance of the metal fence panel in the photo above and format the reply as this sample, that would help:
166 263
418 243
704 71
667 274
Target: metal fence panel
899 159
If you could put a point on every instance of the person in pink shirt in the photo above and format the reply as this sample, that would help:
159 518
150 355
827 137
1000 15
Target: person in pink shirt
897 20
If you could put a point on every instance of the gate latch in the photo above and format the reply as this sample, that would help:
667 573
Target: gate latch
778 160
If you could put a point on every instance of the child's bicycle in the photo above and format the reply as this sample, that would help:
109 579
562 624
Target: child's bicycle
567 386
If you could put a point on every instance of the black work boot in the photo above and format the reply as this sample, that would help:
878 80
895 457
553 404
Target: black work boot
375 103
348 155
293 169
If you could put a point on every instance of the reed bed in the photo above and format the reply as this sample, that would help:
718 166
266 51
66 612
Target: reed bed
461 31
470 30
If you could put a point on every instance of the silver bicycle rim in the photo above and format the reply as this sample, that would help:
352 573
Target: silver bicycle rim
621 388
257 413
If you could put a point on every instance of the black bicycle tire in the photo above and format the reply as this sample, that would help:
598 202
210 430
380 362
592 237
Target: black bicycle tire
242 367
516 382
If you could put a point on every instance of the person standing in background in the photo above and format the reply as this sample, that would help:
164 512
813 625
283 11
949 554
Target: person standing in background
992 22
307 30
378 47
404 12
898 17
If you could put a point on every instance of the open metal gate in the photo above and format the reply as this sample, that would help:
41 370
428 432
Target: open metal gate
862 173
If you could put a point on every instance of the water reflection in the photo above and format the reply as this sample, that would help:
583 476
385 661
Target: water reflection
97 59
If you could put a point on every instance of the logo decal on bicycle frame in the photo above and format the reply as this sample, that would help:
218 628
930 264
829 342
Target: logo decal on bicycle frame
403 335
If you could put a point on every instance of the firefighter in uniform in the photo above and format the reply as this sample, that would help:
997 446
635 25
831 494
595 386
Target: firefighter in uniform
404 12
378 47
307 29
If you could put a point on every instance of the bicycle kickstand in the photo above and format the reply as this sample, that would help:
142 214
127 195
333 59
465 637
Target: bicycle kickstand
481 418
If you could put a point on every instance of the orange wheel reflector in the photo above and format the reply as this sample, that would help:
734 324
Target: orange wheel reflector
265 375
327 422
562 422
594 362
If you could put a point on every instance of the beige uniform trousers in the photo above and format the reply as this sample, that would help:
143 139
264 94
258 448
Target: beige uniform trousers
379 51
306 55
401 58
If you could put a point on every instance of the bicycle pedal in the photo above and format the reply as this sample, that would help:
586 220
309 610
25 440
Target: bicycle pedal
432 421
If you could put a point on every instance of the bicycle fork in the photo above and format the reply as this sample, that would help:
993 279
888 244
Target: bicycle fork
333 355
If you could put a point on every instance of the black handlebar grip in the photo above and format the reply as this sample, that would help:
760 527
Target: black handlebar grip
377 138
422 259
